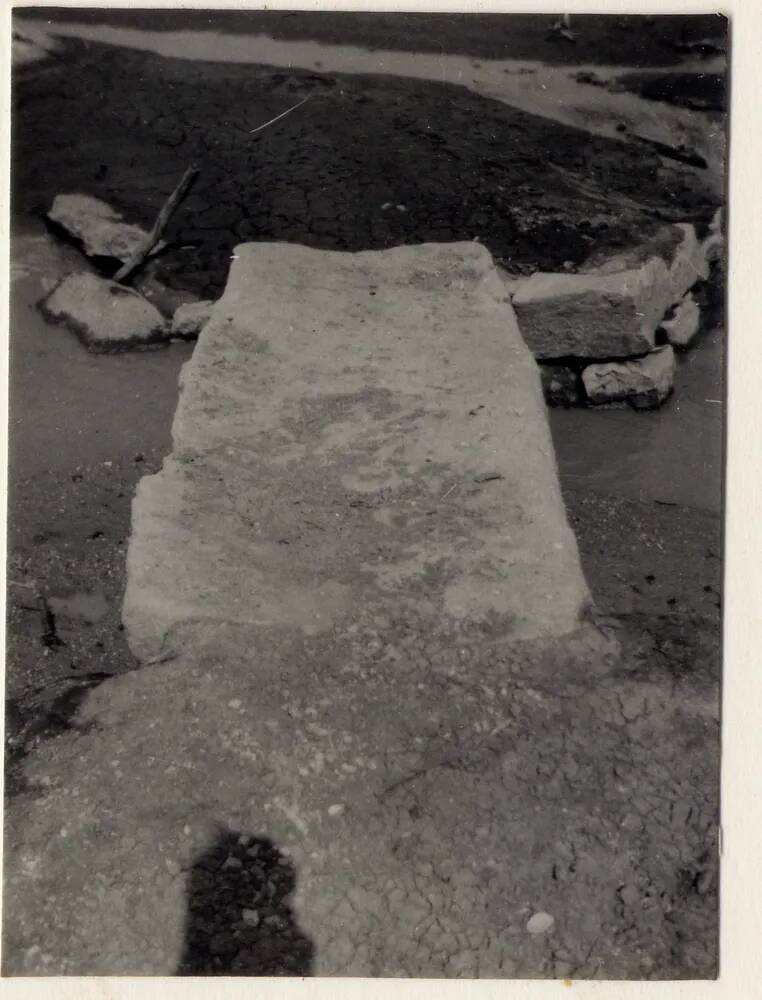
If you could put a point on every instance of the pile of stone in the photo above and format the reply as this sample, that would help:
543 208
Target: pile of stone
108 316
607 334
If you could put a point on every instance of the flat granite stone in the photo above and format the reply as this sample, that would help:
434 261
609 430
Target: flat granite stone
355 430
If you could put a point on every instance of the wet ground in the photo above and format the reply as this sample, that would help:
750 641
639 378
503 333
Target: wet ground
625 40
642 489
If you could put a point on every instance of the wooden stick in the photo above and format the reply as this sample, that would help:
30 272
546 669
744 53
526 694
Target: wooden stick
277 118
145 247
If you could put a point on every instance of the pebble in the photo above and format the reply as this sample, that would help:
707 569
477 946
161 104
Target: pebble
705 883
632 822
629 895
336 809
540 923
250 918
232 862
632 706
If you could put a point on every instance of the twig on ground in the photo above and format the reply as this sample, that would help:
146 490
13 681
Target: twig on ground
162 219
281 115
49 636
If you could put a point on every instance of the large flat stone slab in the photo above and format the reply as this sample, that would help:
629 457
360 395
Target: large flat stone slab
354 431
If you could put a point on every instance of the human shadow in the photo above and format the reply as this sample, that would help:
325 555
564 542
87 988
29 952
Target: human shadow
239 921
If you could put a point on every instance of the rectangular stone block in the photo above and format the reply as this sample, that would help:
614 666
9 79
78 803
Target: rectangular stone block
612 307
356 434
592 315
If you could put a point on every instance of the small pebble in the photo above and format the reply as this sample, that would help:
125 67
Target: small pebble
629 895
336 809
250 918
232 862
540 923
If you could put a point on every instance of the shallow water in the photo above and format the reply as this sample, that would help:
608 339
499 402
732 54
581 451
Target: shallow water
670 455
68 407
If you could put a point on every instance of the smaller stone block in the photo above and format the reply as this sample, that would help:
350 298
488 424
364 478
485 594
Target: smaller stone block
97 226
684 324
644 382
592 315
190 319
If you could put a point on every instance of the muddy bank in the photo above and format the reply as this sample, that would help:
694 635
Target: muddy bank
627 40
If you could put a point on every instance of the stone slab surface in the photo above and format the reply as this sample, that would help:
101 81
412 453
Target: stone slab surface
355 430
106 316
97 226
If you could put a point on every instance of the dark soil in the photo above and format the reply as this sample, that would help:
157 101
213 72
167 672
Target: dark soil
370 162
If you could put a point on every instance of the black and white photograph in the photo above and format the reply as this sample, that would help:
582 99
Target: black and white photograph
366 477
